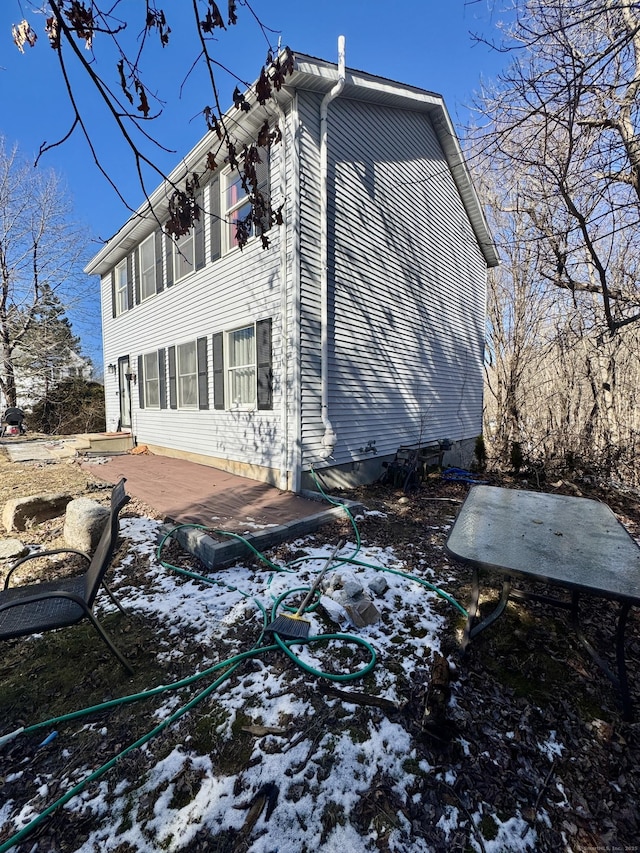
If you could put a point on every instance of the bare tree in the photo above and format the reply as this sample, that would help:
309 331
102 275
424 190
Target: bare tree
565 114
110 41
41 257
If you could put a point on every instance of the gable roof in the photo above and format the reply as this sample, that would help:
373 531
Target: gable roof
317 75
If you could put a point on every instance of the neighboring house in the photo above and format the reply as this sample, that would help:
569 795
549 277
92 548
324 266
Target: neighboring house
359 330
34 384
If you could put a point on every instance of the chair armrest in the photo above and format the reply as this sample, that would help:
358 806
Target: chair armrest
38 554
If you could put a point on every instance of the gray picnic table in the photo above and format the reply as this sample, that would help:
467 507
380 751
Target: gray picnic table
573 544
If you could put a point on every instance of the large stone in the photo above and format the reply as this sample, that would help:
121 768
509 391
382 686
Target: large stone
11 549
84 523
20 513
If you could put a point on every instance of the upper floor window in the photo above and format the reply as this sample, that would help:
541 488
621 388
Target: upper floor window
121 288
147 259
237 208
183 255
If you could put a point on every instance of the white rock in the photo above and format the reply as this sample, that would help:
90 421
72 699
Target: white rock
84 523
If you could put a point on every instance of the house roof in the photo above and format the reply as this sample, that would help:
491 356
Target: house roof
317 75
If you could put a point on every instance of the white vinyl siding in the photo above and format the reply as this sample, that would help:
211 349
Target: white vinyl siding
239 288
310 265
406 286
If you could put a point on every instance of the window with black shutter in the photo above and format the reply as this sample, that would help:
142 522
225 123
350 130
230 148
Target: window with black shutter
203 374
265 368
198 235
173 396
162 376
158 255
218 370
168 257
214 202
141 381
129 282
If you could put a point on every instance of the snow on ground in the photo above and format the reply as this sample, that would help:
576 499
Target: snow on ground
146 816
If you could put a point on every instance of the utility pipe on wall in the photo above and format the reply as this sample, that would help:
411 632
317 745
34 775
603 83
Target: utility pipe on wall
329 438
284 312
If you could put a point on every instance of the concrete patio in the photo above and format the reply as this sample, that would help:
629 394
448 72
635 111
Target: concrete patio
188 493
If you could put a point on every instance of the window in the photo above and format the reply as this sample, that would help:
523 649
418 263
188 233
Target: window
151 381
188 250
237 207
147 258
183 252
187 376
121 289
241 367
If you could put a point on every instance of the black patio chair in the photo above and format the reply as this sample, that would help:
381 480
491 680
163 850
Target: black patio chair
40 607
13 416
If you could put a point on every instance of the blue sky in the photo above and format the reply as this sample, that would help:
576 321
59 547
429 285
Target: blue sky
425 43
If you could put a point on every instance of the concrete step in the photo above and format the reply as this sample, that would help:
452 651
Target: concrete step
104 442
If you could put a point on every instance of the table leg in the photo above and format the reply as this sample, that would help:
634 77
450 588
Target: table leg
472 610
620 680
627 710
472 630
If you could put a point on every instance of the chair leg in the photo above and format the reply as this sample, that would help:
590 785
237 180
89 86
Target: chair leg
114 599
109 642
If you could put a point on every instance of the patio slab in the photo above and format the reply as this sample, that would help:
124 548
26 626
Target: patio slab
189 493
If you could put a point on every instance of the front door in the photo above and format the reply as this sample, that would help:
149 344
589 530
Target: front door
124 391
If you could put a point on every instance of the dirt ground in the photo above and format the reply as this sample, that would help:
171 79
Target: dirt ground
528 677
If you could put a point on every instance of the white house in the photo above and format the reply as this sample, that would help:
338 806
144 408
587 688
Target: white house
361 327
32 385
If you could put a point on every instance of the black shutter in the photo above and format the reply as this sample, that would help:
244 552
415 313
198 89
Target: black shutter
262 175
141 381
168 249
129 282
218 371
158 251
265 370
216 224
162 378
173 401
203 375
114 311
137 276
198 235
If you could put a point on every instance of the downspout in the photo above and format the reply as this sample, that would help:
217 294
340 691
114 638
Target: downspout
295 434
284 312
329 438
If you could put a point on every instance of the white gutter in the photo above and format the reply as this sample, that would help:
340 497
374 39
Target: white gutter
329 438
